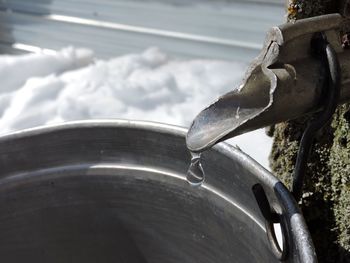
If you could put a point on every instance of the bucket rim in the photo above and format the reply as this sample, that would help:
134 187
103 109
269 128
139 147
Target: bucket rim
300 234
222 147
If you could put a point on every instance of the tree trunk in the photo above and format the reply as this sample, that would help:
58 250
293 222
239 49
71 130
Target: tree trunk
326 198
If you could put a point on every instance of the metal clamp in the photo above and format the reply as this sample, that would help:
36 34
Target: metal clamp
331 93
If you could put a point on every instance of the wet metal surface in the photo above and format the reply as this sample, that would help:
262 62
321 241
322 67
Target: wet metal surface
116 191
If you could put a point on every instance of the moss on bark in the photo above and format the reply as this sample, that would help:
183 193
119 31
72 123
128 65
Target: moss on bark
339 164
298 9
326 199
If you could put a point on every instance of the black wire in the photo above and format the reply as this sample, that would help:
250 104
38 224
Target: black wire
331 88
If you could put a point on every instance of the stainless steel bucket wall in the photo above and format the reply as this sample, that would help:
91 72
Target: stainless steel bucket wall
116 191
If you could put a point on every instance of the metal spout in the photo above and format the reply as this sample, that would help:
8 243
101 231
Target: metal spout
282 83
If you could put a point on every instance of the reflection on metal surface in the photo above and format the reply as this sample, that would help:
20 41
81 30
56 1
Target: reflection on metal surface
90 182
241 208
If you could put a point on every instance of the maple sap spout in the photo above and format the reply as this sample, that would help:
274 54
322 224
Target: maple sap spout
284 82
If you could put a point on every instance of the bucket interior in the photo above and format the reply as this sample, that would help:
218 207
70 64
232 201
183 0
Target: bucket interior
118 193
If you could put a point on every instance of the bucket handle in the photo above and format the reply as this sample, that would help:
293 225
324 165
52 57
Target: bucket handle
271 218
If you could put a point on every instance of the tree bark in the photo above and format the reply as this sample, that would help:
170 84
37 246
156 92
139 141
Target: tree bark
326 198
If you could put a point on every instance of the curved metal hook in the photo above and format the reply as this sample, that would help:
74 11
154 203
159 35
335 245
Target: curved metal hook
331 94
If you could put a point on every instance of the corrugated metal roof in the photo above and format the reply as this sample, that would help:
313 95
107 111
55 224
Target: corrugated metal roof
115 27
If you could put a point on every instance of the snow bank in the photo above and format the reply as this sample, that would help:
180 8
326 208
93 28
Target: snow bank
15 70
42 89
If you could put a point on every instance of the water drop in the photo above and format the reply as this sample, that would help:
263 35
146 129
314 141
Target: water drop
195 173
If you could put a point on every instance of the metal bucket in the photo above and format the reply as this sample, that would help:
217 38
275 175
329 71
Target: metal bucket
116 191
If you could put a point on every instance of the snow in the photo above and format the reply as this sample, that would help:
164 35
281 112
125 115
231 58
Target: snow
46 88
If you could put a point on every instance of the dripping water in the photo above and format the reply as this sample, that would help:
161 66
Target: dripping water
195 173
